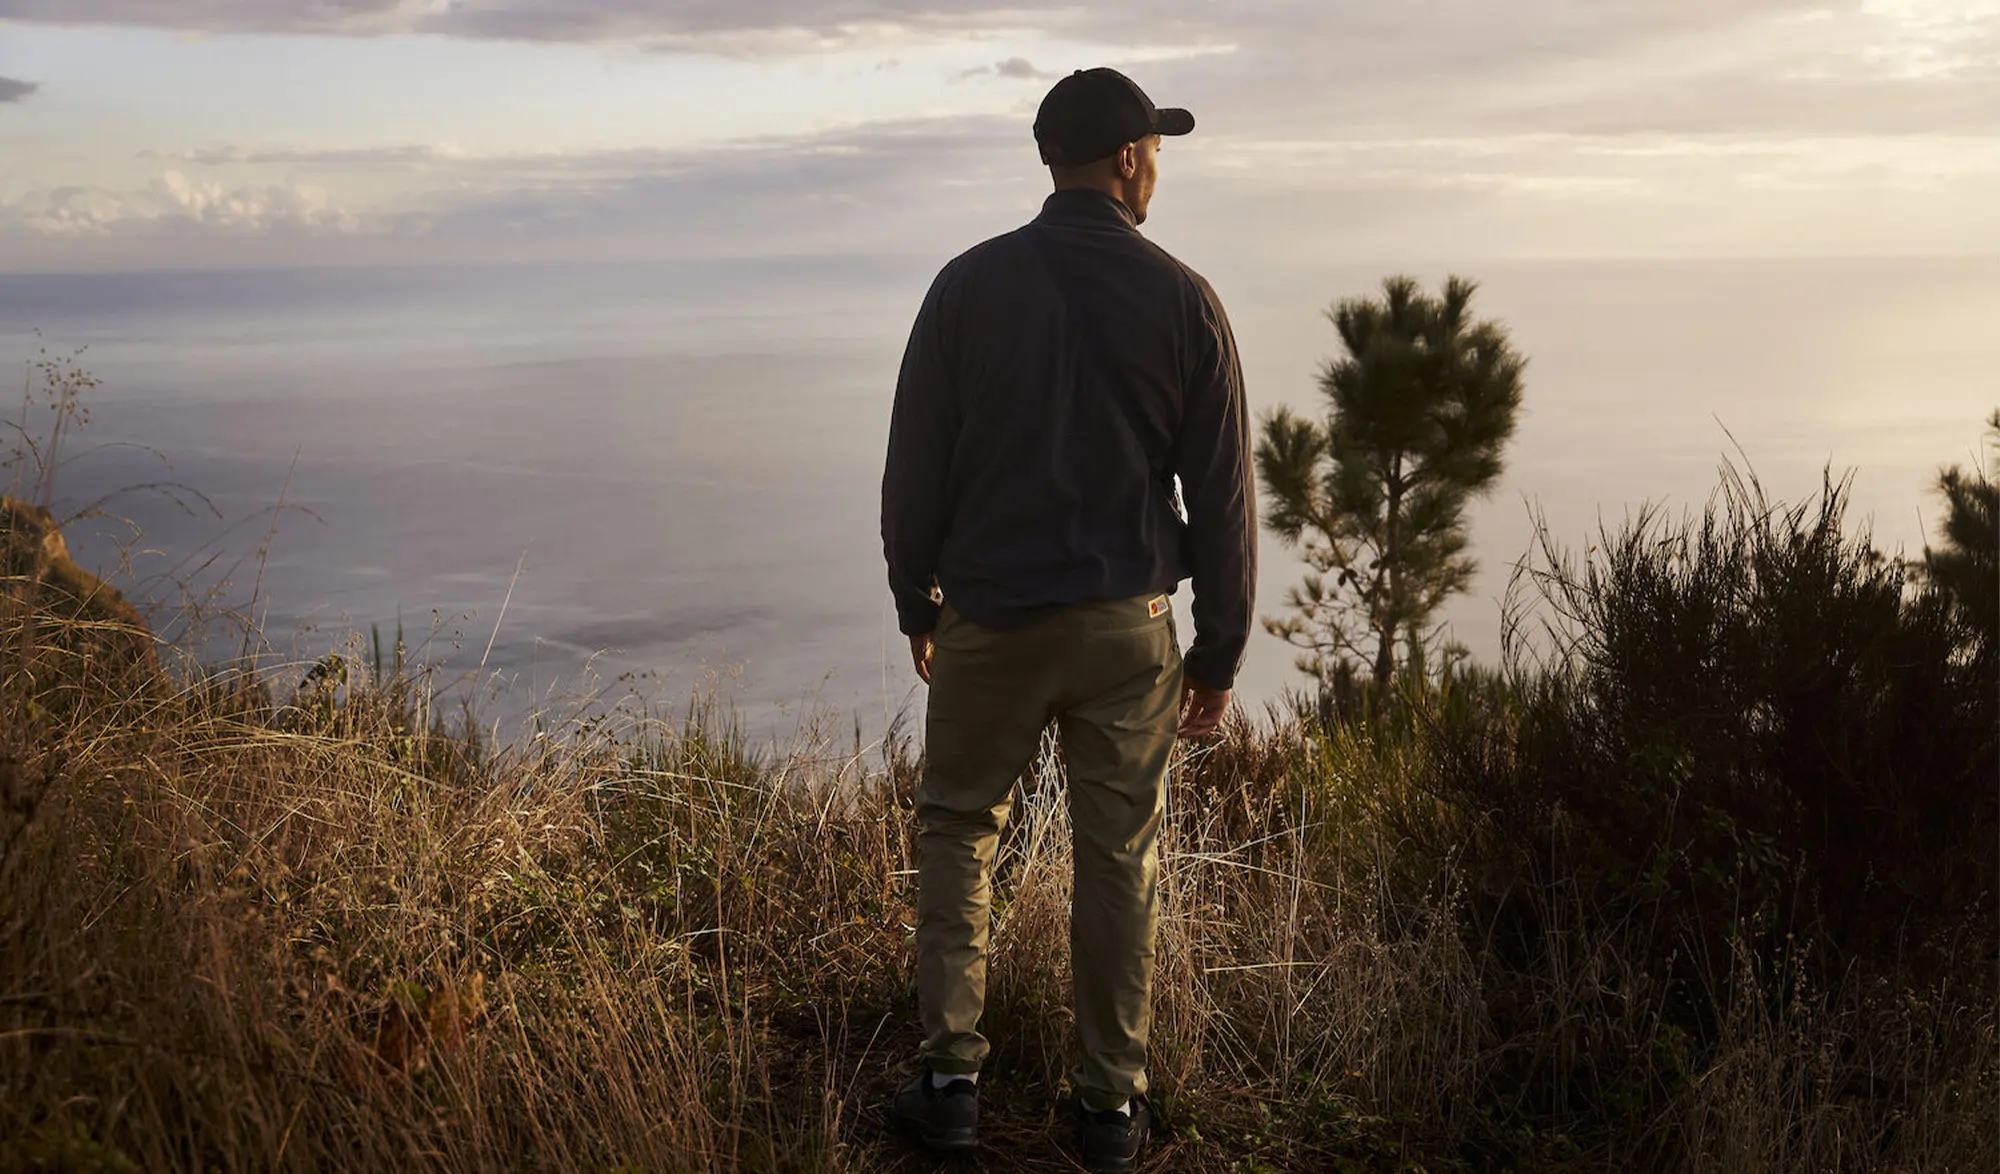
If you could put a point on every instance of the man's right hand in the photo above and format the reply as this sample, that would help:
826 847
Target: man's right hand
921 650
1202 709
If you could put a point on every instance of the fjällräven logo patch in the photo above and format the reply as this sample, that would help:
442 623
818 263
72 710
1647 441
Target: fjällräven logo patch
1157 608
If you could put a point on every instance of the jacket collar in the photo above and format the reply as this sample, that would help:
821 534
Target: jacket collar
1086 206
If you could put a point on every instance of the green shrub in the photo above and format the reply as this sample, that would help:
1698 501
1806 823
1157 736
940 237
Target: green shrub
1747 727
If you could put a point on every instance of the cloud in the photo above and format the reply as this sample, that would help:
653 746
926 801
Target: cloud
1380 68
74 210
1018 68
249 209
15 91
927 188
897 187
397 157
893 187
222 16
1453 25
1572 127
1013 68
1762 67
542 20
173 202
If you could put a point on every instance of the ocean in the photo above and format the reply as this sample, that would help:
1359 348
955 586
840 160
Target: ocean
578 484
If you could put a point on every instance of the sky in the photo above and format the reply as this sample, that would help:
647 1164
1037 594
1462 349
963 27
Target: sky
239 133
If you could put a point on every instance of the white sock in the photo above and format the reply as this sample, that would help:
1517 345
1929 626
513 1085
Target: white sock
1126 1108
940 1079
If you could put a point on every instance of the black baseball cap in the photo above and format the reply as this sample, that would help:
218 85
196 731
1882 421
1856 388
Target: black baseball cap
1093 112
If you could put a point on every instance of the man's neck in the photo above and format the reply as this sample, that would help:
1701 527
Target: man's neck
1107 190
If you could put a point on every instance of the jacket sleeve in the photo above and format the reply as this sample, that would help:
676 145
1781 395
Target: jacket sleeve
923 429
1213 461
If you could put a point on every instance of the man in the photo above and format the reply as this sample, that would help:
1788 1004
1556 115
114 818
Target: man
1058 380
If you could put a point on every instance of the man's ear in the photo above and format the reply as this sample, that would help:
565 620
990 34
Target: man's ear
1128 161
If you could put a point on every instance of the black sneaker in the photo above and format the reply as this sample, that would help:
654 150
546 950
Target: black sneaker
944 1119
1111 1140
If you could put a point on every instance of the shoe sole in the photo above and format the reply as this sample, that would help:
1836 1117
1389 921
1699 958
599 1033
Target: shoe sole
952 1139
1113 1165
946 1141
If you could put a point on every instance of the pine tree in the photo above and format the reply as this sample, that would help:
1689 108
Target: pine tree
1374 496
1966 563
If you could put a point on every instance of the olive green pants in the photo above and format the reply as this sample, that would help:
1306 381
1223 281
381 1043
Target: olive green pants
1109 675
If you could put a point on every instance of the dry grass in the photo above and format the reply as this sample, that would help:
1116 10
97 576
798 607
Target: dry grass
326 933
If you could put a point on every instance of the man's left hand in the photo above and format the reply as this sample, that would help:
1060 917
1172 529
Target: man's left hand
1202 709
921 648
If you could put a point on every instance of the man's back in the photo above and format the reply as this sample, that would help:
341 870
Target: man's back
1058 379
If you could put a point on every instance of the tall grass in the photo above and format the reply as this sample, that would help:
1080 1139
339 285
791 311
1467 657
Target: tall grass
320 933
